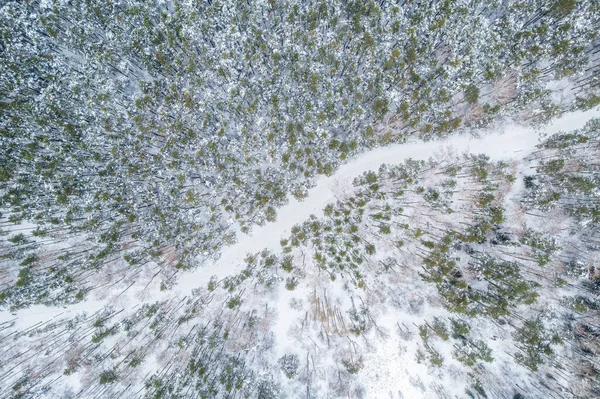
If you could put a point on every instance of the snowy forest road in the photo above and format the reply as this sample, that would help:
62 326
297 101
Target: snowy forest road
499 144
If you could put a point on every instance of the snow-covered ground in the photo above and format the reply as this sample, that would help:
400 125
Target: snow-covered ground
504 142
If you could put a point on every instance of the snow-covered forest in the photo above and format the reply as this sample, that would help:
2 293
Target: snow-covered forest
303 199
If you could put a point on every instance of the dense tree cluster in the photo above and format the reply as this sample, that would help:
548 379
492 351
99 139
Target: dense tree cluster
138 139
151 133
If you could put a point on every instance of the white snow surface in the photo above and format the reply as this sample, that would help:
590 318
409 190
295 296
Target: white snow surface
500 143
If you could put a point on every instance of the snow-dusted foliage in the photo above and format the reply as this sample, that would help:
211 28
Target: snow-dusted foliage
140 140
152 133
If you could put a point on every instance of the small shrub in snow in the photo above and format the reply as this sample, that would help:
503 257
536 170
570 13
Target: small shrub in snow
289 365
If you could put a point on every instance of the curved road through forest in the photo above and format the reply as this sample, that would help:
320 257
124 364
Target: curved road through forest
504 142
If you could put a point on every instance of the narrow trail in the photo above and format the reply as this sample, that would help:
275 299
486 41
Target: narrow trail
505 142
